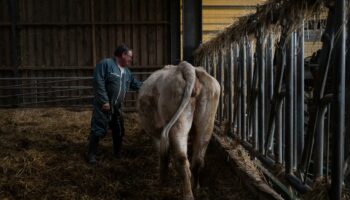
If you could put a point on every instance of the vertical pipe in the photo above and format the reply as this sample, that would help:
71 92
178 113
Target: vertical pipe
269 89
269 70
175 36
278 129
327 141
219 78
338 107
192 27
243 90
319 141
255 104
14 40
289 107
230 82
239 81
295 98
300 92
93 32
261 98
250 89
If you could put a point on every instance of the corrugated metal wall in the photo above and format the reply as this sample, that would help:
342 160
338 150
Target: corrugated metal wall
65 38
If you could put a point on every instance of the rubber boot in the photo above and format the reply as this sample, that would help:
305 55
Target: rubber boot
93 143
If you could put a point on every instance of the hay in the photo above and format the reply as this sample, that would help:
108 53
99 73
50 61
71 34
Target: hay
42 156
320 191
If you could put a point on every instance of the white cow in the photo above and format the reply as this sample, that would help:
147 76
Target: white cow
171 102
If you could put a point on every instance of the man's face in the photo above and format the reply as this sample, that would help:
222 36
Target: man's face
126 58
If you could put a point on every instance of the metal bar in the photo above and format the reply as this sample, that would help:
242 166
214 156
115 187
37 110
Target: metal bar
269 87
289 107
239 94
327 136
243 89
47 92
14 40
230 81
319 139
219 78
192 27
278 134
250 90
255 106
93 32
295 111
50 68
300 92
51 87
45 78
269 72
175 32
261 95
297 183
338 111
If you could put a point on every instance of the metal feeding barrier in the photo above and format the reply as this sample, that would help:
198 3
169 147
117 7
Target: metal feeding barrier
288 112
53 91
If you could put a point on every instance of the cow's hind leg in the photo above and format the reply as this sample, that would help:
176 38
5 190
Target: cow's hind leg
199 146
203 124
178 141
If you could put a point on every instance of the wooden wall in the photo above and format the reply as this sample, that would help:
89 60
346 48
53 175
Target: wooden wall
65 38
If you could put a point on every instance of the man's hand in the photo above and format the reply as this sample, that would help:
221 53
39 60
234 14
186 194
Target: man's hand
106 107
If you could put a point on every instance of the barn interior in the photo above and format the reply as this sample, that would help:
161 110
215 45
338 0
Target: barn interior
281 126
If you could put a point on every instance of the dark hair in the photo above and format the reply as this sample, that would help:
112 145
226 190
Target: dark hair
119 50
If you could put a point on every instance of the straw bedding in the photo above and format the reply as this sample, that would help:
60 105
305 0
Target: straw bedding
42 156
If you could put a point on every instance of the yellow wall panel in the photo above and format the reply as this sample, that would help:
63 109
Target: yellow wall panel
232 2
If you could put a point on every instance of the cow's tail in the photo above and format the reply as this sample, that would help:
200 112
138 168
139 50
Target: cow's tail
189 74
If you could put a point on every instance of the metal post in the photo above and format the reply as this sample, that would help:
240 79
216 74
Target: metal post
14 39
219 78
278 129
230 82
300 92
255 105
192 27
319 142
289 107
269 72
175 31
295 82
261 98
240 91
338 106
269 86
251 90
243 90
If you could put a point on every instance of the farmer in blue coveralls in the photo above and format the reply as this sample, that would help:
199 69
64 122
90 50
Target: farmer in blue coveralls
111 81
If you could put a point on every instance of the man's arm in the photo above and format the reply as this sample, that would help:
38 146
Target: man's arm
135 84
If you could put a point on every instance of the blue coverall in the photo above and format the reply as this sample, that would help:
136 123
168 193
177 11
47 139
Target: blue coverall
110 86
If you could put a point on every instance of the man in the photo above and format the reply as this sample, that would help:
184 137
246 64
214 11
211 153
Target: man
111 80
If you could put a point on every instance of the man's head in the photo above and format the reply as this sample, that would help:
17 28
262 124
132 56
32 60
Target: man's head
123 54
